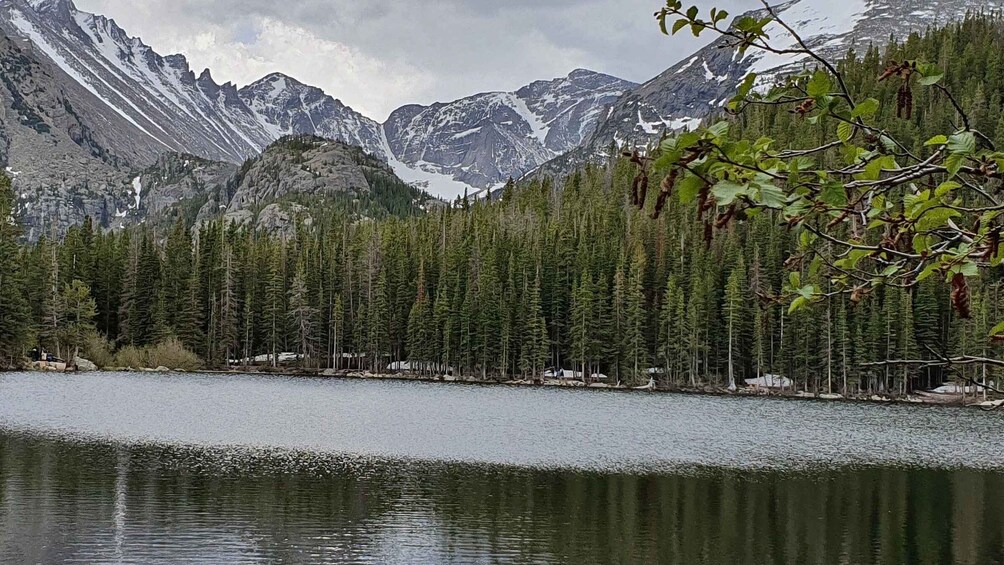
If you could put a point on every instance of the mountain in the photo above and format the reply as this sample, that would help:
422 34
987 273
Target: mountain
287 106
484 139
155 104
700 84
300 176
137 105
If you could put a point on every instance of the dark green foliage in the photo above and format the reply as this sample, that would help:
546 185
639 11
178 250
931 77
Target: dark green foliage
14 312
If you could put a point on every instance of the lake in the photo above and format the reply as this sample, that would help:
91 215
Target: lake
173 468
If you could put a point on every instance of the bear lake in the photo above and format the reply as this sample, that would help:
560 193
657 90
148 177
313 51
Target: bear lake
175 468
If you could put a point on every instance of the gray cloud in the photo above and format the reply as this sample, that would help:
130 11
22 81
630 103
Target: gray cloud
379 54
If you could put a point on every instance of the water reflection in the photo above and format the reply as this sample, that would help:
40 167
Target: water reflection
72 502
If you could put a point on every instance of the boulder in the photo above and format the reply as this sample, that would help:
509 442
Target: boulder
84 365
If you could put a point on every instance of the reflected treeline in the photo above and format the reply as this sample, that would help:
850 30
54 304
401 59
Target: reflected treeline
60 502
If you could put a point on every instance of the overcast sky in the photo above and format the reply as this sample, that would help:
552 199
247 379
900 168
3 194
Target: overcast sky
376 55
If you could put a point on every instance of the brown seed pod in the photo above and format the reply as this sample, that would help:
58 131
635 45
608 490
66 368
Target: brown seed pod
993 244
904 102
725 217
960 296
668 183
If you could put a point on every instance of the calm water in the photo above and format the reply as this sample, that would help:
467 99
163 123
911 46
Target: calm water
141 468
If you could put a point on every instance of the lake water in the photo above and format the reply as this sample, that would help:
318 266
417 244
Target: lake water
168 468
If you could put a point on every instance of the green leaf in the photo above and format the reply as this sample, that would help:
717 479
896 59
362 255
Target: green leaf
798 304
726 192
998 330
890 271
936 218
866 109
819 85
954 163
834 195
680 24
770 196
946 187
746 23
844 131
937 140
931 80
807 291
747 85
963 142
929 270
719 129
689 188
922 243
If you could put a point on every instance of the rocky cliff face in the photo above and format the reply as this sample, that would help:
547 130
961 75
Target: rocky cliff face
270 190
176 178
61 170
155 103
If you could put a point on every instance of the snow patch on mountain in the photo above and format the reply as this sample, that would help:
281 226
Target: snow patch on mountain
137 190
39 39
817 20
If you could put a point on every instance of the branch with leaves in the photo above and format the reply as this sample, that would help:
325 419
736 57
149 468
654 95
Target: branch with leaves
868 210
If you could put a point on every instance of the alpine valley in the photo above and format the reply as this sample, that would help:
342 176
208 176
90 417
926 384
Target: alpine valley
96 123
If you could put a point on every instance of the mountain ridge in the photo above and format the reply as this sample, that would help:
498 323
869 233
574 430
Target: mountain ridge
157 103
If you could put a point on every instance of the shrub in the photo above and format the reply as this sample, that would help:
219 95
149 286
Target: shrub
130 356
172 354
97 350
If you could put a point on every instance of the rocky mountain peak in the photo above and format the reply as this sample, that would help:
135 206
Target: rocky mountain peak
55 8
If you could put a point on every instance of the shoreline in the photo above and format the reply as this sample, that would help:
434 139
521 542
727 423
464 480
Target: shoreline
921 398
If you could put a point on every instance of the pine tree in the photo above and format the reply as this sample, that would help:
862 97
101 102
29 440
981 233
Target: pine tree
734 300
302 315
275 306
582 324
535 346
78 312
635 347
14 313
378 338
420 332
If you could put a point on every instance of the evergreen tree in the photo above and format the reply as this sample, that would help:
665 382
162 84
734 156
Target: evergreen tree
14 312
78 311
302 315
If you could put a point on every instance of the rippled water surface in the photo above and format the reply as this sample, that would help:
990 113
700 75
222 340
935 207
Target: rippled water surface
232 469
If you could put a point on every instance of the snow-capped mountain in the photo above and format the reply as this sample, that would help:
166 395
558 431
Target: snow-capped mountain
484 139
157 103
143 104
287 106
699 85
